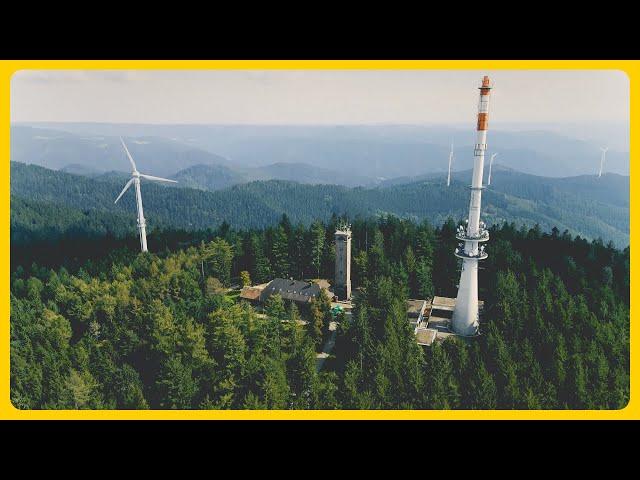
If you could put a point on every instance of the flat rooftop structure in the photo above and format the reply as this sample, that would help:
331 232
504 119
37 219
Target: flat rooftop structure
426 336
438 321
415 308
449 304
443 303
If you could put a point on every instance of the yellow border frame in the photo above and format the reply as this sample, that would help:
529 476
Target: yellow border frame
8 68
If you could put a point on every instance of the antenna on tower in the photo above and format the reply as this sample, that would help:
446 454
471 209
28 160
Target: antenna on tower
602 159
491 165
450 160
343 226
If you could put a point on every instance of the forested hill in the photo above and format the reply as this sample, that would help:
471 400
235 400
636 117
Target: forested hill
161 330
523 199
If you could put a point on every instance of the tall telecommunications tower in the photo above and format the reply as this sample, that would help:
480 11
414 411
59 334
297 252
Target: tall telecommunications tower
465 314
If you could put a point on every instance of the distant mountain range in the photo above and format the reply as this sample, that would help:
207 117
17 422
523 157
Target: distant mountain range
61 150
347 155
217 177
586 205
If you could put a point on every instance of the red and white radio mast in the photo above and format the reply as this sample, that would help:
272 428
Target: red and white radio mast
465 315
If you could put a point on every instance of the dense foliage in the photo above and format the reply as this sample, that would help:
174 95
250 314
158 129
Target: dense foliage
590 207
164 330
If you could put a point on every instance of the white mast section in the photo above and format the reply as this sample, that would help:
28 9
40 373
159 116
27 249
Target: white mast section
465 316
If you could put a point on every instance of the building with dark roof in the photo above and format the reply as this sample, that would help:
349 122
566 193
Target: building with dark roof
292 290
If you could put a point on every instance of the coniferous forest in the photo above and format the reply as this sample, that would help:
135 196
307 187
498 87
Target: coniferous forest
97 325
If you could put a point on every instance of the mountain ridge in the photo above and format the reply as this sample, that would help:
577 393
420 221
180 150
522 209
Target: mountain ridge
376 151
261 203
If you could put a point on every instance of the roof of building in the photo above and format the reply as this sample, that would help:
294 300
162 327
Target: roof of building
446 303
443 303
415 307
426 336
294 290
439 323
250 293
322 283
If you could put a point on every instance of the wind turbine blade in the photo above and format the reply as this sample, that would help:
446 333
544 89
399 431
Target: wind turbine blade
133 164
157 179
124 190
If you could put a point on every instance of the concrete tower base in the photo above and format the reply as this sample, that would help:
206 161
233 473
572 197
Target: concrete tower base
465 316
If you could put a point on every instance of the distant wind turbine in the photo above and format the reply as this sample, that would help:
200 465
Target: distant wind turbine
491 165
135 180
450 160
602 159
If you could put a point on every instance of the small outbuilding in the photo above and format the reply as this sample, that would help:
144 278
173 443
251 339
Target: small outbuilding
251 294
416 311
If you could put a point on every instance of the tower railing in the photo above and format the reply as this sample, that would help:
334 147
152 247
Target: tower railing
461 253
483 236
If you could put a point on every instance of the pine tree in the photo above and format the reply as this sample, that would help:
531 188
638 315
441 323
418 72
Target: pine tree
410 264
324 306
245 278
177 385
274 385
317 235
316 322
259 262
218 257
444 393
482 394
303 379
424 282
280 253
274 307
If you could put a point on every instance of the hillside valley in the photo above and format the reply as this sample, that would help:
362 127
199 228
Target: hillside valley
588 206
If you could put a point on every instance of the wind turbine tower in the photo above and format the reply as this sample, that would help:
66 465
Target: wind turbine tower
450 160
465 315
602 159
490 167
135 180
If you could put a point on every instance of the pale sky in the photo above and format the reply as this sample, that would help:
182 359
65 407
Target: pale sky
317 97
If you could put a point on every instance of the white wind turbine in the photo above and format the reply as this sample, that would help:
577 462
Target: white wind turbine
135 180
491 165
450 160
602 158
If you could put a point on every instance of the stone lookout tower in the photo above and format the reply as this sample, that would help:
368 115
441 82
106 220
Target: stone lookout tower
342 284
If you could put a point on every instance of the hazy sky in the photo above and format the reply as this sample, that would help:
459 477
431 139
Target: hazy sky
317 97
